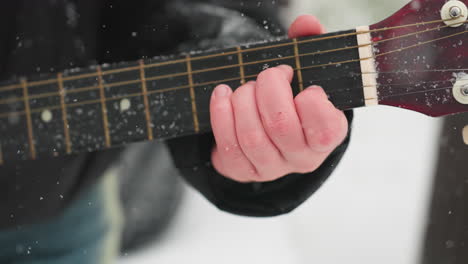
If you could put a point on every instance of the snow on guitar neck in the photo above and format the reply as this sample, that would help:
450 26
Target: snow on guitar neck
414 59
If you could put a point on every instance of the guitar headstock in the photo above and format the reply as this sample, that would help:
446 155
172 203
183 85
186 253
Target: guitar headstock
421 57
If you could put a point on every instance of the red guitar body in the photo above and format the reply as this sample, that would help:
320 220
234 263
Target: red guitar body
421 78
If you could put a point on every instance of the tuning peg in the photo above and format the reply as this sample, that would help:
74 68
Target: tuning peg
454 13
460 89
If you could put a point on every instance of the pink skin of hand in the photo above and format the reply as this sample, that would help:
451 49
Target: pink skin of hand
263 133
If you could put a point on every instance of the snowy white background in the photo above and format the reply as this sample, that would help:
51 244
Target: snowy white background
372 210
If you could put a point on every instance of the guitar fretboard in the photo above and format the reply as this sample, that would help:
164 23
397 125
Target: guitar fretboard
111 105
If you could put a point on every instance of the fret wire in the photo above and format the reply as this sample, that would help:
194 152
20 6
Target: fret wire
104 108
298 65
32 148
15 86
66 128
192 94
145 100
241 64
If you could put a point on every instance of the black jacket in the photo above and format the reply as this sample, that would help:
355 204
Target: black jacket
49 36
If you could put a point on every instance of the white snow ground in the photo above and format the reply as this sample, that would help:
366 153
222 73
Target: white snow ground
372 210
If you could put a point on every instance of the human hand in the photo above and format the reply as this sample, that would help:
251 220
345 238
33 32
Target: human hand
263 133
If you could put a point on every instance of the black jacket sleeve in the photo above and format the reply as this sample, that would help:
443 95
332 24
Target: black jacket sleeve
221 23
192 157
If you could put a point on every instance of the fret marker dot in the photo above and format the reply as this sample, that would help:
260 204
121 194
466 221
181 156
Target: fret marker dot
46 116
125 104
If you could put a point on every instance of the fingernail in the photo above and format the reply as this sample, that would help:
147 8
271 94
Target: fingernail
285 67
221 91
320 89
313 87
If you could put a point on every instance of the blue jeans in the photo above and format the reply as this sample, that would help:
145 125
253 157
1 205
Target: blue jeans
88 232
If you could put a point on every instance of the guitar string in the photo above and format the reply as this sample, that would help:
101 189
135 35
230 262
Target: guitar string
152 65
414 92
185 86
94 74
216 82
127 96
115 84
56 107
323 65
212 82
13 100
339 90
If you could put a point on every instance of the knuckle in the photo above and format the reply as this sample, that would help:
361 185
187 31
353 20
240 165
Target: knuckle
336 133
253 141
262 160
279 124
325 140
327 137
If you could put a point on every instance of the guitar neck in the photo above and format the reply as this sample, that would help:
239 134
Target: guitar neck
155 99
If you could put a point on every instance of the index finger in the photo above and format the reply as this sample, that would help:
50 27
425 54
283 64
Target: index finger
305 25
